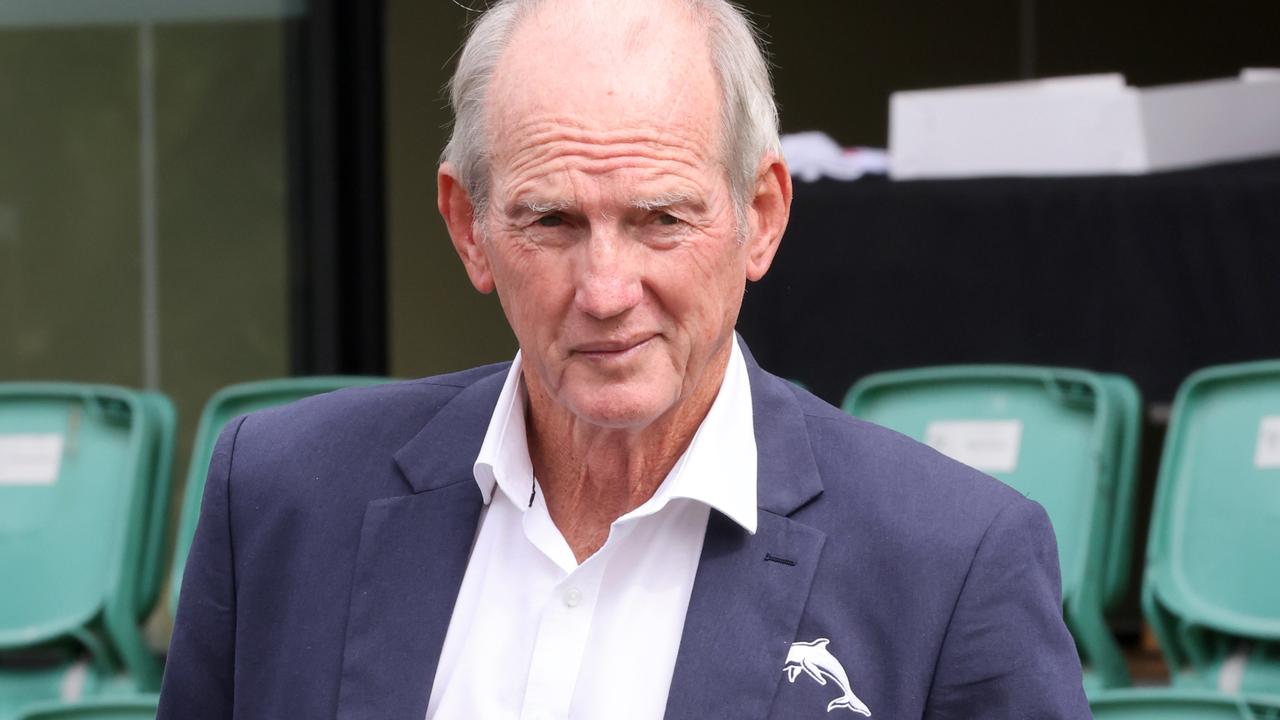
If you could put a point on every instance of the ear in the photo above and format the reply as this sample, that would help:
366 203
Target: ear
459 216
770 209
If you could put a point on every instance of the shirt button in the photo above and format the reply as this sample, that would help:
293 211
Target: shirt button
572 597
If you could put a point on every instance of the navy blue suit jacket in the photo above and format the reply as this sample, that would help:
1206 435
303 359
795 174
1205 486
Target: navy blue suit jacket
335 532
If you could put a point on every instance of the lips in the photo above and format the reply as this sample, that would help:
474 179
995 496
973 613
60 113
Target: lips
608 348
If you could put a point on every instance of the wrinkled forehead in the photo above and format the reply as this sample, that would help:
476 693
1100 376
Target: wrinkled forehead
607 65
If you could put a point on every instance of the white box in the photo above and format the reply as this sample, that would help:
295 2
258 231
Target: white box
1086 125
30 458
1267 454
991 446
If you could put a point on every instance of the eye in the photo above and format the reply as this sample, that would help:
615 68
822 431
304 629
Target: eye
550 221
668 219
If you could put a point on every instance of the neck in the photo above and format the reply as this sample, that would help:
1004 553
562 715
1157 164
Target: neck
591 475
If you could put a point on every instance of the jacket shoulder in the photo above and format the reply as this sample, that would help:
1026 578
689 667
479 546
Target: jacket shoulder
388 404
354 429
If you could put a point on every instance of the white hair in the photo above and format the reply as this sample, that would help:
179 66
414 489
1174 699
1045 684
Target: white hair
749 116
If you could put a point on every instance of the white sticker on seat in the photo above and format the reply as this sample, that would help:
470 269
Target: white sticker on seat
987 445
1267 456
30 459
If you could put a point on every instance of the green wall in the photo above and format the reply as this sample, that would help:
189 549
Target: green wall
436 321
70 279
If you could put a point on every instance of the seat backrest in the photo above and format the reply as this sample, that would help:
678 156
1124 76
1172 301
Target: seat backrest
1045 432
225 405
54 674
1215 526
164 424
142 707
72 461
1129 420
1178 704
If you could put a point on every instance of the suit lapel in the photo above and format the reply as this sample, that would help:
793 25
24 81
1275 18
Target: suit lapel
750 590
412 557
742 617
413 553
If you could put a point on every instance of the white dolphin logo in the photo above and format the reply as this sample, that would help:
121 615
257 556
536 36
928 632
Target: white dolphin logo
814 660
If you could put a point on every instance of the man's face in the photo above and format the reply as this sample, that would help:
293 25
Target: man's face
610 233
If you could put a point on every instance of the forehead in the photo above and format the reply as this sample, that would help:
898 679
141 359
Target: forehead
603 70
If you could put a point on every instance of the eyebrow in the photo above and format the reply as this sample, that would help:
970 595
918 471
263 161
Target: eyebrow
659 202
540 207
537 206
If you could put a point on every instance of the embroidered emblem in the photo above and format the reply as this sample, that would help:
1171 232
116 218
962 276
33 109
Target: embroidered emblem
816 661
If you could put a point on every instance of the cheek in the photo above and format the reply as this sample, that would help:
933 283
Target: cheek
511 285
531 287
703 288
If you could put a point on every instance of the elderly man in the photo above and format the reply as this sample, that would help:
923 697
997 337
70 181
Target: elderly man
632 519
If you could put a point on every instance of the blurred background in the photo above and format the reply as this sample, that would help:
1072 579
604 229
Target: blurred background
198 193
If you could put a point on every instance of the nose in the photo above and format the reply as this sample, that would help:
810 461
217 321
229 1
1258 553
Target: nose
608 278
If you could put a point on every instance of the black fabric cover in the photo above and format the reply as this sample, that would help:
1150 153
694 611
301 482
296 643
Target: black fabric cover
1151 276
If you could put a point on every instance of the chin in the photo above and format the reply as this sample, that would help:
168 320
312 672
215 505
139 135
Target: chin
619 407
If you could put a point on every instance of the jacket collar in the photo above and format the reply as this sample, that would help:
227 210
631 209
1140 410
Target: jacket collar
444 451
787 474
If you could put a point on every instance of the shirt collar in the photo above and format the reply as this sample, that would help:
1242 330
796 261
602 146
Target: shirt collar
718 468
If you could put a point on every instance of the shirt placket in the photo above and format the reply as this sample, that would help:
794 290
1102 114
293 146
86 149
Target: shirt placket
563 632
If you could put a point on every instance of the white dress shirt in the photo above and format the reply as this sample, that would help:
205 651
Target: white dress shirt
536 635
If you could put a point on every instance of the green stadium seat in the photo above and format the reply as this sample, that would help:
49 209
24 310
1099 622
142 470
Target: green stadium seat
1181 704
1120 548
61 674
1067 439
78 468
164 424
1211 590
142 707
225 405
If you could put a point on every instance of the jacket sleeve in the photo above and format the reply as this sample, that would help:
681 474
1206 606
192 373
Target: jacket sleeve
1007 652
199 677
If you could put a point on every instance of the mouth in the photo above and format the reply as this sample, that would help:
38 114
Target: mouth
613 349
